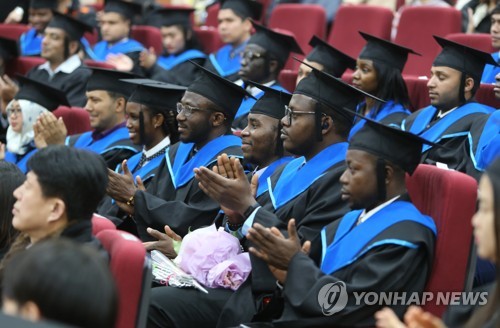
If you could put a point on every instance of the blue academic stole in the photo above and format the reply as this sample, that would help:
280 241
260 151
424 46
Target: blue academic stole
103 145
248 102
102 49
182 170
224 62
30 43
435 133
387 109
490 71
173 60
20 160
146 171
263 186
351 240
488 146
295 178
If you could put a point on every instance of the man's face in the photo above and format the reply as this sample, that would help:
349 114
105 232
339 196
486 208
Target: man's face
53 45
39 18
299 135
495 31
102 109
253 64
359 180
259 139
444 86
232 29
174 40
114 27
305 70
193 122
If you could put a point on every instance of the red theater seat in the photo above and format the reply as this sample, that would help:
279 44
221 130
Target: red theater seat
76 119
21 65
209 38
480 41
13 31
100 223
149 36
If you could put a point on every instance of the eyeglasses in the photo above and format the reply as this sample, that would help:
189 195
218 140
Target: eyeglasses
250 55
16 112
289 114
188 110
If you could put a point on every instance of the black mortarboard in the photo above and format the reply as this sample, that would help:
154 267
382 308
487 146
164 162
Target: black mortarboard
333 60
40 93
243 8
44 4
219 90
171 16
402 148
73 27
156 94
384 52
109 80
126 9
272 103
277 43
462 58
8 48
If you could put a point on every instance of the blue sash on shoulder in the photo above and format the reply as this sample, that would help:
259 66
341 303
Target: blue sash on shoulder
248 102
173 60
387 109
30 43
435 132
103 145
223 63
263 186
294 180
181 172
21 163
488 147
102 49
351 241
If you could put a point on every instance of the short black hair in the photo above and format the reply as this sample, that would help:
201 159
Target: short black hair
79 177
69 283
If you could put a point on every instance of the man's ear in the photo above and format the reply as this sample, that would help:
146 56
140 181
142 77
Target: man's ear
120 104
58 209
218 119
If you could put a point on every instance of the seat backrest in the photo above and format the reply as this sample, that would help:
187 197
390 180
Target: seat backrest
449 197
480 41
13 31
21 65
209 38
486 95
417 91
131 269
149 36
350 19
287 79
100 223
76 119
415 30
312 20
93 63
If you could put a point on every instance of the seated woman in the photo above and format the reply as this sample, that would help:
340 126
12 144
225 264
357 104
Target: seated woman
486 223
180 45
33 99
378 72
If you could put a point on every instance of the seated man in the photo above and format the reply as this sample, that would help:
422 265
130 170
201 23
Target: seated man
40 14
455 78
262 60
384 245
235 27
490 71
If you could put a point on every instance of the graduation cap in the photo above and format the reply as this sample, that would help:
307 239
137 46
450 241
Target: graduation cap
171 16
124 8
44 4
402 148
462 58
219 90
276 43
8 48
109 80
40 93
272 103
73 27
156 94
333 60
244 8
384 52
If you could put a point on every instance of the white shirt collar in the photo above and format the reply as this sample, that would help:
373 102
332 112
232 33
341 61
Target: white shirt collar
441 114
366 215
162 144
254 91
68 66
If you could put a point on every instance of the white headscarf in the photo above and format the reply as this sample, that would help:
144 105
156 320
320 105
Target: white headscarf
19 143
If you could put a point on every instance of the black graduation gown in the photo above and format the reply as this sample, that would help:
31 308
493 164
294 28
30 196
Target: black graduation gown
73 84
184 209
315 208
456 150
182 74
